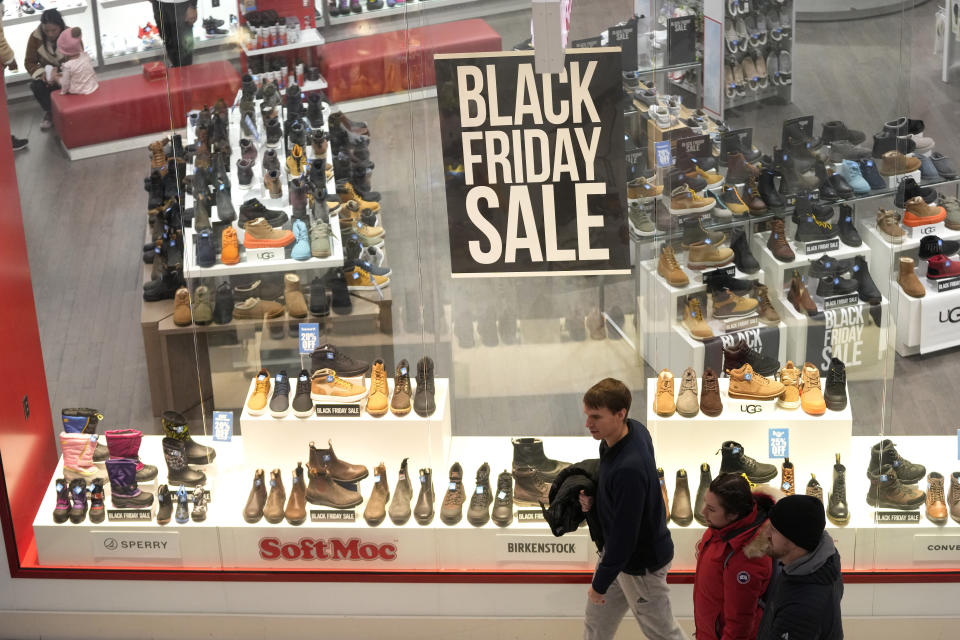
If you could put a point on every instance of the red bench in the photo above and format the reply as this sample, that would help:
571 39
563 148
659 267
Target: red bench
399 60
133 106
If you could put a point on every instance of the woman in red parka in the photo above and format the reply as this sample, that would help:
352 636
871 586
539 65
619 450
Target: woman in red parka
733 570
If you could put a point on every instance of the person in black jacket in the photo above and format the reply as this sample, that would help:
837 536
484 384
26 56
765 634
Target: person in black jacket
803 601
637 548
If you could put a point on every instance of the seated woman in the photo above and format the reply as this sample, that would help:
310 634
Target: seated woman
42 52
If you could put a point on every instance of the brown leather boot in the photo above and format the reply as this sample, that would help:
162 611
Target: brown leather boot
273 509
682 512
800 297
787 484
738 169
323 491
451 511
668 267
663 491
253 510
752 198
336 468
887 492
908 280
400 505
710 402
768 315
376 509
777 242
529 488
936 505
296 511
423 511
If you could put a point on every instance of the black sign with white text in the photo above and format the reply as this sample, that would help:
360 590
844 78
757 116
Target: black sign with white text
625 37
681 40
541 190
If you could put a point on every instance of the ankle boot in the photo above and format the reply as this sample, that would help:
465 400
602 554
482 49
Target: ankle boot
743 258
768 191
528 452
787 480
663 492
738 169
908 280
530 488
273 507
452 508
681 512
298 198
77 449
888 492
315 112
423 511
777 242
478 513
800 297
296 511
61 512
164 505
85 421
502 513
253 510
734 460
424 402
376 509
885 453
400 505
125 443
814 489
323 490
78 500
97 510
124 492
837 509
338 469
178 472
705 480
175 426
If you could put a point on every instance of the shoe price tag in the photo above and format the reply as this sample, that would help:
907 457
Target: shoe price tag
779 443
223 426
840 301
309 334
452 486
821 246
479 491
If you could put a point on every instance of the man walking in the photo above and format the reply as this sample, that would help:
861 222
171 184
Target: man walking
637 548
803 602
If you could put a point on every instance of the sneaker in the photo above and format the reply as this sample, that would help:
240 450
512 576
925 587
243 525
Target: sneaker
694 322
811 397
939 267
639 188
888 225
729 305
640 222
747 384
683 201
280 402
850 171
257 404
19 144
327 386
836 286
790 379
706 255
302 245
320 240
259 234
870 173
302 404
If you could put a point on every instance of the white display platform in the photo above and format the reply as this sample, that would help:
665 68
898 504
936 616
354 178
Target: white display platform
927 324
270 442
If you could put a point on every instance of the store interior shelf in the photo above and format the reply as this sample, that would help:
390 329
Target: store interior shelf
399 9
35 17
308 38
314 85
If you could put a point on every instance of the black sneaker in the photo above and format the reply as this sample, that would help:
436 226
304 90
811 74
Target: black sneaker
811 228
742 256
340 295
19 143
870 173
836 286
280 402
909 189
867 288
327 356
223 307
302 404
848 233
835 390
718 280
826 265
252 209
933 246
318 299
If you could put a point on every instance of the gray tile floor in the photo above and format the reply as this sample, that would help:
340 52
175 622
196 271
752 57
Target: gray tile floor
84 223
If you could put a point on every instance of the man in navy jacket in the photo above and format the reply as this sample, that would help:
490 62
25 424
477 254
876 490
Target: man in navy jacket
637 548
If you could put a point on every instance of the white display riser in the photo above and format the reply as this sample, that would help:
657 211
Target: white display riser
885 255
912 311
282 442
782 272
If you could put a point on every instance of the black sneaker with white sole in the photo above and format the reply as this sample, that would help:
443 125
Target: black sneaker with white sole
302 404
280 402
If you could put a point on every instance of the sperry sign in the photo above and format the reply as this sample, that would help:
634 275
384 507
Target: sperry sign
353 549
135 544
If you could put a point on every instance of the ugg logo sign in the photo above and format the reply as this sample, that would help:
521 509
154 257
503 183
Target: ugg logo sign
330 549
950 315
751 408
928 231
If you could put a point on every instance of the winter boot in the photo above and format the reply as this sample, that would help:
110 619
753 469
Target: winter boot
478 513
174 452
78 500
175 426
423 511
887 491
339 470
323 490
502 513
84 421
97 510
62 510
164 505
837 509
124 493
788 483
253 510
530 489
182 515
77 451
400 505
681 513
528 452
736 461
452 508
424 402
273 507
199 511
125 443
866 288
705 480
376 509
296 511
885 453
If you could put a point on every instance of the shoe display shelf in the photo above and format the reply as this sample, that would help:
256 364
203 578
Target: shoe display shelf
18 27
665 341
362 10
308 38
123 538
655 132
246 266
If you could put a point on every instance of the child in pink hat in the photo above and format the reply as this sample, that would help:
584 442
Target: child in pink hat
77 75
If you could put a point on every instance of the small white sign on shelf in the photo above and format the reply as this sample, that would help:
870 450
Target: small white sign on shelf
936 229
270 254
135 544
936 548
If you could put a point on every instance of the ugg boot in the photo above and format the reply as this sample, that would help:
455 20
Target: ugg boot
178 472
837 509
478 513
908 280
273 508
125 443
175 426
337 469
84 421
376 509
296 511
77 451
528 452
680 513
400 505
323 490
736 461
705 480
253 510
293 296
124 493
423 511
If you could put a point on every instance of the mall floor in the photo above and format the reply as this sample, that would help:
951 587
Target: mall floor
85 221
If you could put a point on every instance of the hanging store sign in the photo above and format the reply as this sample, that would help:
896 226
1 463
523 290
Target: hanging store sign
534 164
850 333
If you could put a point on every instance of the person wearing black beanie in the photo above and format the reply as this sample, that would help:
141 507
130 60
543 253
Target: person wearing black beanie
803 600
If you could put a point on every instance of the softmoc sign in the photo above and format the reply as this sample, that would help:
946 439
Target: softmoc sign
349 550
534 164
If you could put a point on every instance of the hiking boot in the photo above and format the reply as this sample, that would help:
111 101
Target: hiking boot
400 402
942 267
694 321
908 280
359 279
687 398
777 242
399 509
811 397
710 402
835 391
663 403
755 202
790 379
378 396
324 491
528 452
695 233
738 169
727 304
733 200
895 163
953 501
740 353
272 184
933 246
175 426
814 489
273 507
252 209
768 315
835 286
502 512
747 384
885 453
668 267
919 214
259 234
683 201
799 297
327 386
478 513
639 188
530 489
452 508
705 480
327 356
346 193
887 491
705 255
811 229
178 472
681 512
734 460
423 510
743 258
424 398
787 481
936 504
376 509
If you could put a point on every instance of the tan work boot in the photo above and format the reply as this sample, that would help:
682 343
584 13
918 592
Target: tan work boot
257 404
888 224
668 267
727 304
768 315
747 384
378 397
346 192
790 379
639 188
400 402
694 322
293 296
296 161
663 404
811 396
908 280
705 255
683 201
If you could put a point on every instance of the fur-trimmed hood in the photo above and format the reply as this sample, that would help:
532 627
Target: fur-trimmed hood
766 496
